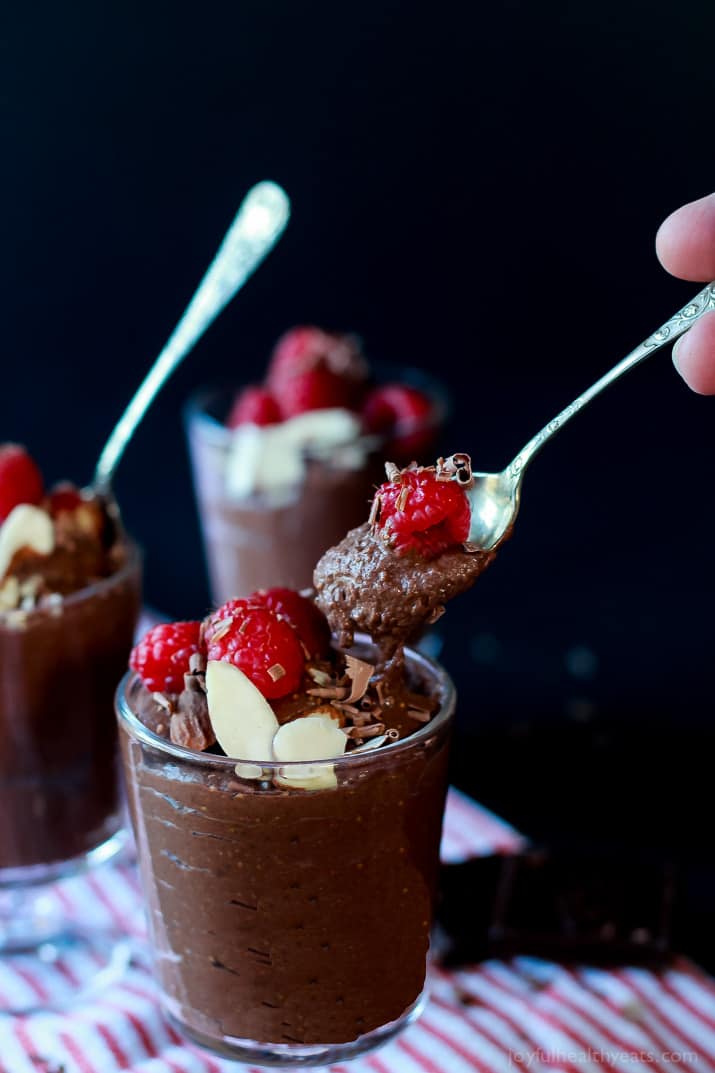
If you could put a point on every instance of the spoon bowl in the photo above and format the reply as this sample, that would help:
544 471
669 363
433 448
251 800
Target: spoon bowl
494 500
495 497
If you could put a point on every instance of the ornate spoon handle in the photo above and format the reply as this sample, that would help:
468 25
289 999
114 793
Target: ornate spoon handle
256 228
676 326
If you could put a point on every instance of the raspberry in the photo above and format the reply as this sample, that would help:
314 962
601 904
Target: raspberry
254 405
64 498
308 622
315 370
161 659
20 479
298 350
318 389
405 416
232 609
266 648
417 512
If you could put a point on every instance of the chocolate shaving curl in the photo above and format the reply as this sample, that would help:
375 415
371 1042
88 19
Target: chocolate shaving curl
359 673
457 467
418 714
222 629
197 663
371 731
328 692
375 511
361 719
349 709
163 701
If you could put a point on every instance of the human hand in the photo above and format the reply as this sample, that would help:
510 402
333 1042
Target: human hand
685 245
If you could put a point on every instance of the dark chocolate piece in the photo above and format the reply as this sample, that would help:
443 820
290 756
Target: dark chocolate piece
590 905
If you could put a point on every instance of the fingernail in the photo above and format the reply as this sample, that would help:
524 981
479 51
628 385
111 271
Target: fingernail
674 355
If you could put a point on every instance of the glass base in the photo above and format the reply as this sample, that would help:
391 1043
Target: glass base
294 1055
70 967
49 959
34 875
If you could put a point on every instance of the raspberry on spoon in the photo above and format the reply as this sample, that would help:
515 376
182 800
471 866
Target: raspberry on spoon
20 479
422 509
161 659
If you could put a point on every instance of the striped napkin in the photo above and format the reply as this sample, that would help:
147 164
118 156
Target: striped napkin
523 1014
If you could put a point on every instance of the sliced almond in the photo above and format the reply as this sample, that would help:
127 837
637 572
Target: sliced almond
242 719
312 737
249 771
9 594
372 743
271 458
25 527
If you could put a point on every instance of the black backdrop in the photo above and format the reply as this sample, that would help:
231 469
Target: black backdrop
476 189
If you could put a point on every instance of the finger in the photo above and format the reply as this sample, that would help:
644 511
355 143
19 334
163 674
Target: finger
694 355
685 242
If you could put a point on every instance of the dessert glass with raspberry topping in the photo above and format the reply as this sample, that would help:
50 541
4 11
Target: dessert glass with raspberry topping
287 795
69 601
284 468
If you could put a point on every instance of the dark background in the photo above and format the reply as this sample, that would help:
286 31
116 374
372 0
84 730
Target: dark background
476 190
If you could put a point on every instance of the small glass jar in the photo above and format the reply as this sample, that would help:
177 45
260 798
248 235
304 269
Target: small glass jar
290 926
60 806
255 539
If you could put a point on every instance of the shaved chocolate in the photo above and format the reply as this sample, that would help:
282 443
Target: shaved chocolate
328 692
419 715
371 731
360 674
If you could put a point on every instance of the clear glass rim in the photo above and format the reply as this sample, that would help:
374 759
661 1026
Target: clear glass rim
133 562
195 409
137 730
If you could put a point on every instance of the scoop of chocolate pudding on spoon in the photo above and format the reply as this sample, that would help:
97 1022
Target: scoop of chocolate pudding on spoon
392 576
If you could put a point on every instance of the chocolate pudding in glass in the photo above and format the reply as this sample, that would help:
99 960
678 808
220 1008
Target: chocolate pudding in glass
290 925
282 470
287 789
69 603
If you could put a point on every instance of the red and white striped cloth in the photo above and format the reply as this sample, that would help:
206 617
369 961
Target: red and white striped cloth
498 1016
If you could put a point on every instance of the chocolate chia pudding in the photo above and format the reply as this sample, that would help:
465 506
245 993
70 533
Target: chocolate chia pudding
287 797
282 470
69 602
290 917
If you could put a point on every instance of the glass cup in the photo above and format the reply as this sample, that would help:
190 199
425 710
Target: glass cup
60 808
268 538
290 926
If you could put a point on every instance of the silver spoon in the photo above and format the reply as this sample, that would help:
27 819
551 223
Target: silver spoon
495 497
257 226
